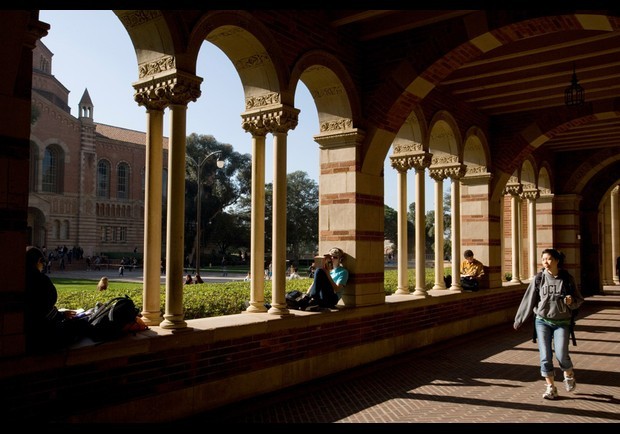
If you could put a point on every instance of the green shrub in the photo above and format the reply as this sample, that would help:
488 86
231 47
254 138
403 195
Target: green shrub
200 301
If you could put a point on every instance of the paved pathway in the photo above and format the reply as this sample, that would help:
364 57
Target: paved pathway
487 377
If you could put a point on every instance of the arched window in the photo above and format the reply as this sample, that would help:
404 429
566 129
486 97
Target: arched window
51 180
103 179
34 167
122 173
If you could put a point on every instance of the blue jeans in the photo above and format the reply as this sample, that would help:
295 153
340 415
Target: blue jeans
322 290
560 336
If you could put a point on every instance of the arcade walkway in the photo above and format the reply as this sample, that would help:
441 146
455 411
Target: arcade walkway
488 377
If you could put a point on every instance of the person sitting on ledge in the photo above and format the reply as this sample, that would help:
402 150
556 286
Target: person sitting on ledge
471 271
329 281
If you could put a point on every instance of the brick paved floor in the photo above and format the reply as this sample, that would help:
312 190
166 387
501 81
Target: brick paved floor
488 377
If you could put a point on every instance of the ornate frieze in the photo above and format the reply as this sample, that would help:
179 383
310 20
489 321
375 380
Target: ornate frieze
268 99
337 125
408 148
255 61
444 159
327 92
137 18
476 170
158 66
176 88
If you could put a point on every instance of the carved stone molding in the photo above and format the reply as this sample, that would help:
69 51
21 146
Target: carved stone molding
138 17
340 138
265 100
327 92
408 148
444 159
155 67
254 61
476 170
160 92
337 125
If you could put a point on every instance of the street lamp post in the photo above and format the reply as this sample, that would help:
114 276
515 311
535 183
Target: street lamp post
199 167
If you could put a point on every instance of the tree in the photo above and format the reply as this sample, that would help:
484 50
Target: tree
220 188
302 214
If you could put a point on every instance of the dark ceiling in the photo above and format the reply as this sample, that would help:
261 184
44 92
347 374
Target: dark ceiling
525 76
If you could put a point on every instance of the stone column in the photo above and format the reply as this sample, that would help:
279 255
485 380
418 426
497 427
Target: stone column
420 163
455 191
514 188
151 308
531 195
279 122
403 266
438 176
155 95
255 125
615 236
174 90
173 316
402 261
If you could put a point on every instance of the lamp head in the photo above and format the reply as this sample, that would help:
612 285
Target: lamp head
220 163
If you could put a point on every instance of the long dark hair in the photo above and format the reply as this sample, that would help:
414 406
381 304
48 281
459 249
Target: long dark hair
555 254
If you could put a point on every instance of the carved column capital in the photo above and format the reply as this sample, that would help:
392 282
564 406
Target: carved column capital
418 161
174 88
513 187
278 119
253 124
530 193
454 171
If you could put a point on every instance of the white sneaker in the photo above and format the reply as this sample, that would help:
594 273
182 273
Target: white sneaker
570 384
551 392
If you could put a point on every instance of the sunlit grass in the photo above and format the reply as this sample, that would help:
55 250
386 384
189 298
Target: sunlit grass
203 300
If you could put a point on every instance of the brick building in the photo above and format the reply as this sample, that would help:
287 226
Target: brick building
87 179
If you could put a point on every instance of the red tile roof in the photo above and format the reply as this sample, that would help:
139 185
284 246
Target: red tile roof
124 135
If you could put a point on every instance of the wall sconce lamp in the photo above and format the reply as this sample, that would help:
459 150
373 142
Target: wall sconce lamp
574 94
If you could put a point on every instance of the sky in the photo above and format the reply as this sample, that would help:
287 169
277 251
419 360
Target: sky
93 51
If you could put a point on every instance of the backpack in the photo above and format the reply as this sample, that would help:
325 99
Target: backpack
113 318
293 298
575 312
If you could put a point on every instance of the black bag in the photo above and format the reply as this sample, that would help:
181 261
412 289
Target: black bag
469 283
293 298
109 320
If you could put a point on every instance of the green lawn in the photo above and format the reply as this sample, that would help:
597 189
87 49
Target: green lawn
204 300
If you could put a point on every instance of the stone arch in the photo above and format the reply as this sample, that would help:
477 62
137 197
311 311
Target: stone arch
413 133
152 41
253 52
444 139
545 180
394 104
528 174
588 169
475 153
331 88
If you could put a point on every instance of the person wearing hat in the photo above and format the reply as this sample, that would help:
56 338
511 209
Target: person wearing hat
45 327
329 281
